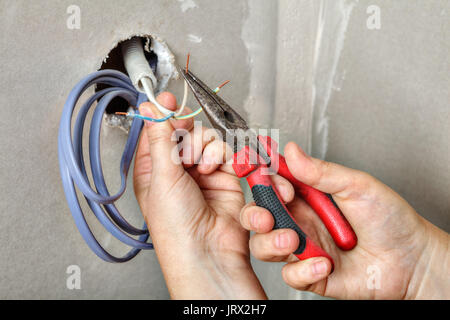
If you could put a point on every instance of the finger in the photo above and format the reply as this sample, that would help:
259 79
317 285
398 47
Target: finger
143 163
254 218
259 219
302 274
284 188
142 170
186 124
159 136
276 245
193 143
219 180
167 100
214 155
325 176
228 168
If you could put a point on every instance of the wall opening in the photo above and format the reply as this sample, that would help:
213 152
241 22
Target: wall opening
114 61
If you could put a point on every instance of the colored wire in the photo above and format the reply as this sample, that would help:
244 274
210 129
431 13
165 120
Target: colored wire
216 90
136 115
148 88
183 104
176 116
195 113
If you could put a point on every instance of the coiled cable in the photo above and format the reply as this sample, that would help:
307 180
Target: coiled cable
73 169
135 89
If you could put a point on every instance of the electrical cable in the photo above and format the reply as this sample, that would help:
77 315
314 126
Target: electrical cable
73 169
145 81
135 89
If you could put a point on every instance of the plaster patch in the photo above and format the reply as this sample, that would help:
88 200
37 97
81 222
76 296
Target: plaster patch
166 63
193 38
187 4
121 122
332 25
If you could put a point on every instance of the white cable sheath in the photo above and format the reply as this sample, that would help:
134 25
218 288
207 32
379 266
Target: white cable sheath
136 64
140 72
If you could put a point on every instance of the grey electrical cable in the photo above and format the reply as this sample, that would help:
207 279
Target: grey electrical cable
73 170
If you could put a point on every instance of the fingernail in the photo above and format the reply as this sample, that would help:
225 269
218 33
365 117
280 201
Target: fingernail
206 162
319 267
255 221
282 241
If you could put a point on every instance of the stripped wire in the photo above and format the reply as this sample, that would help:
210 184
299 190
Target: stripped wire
221 86
174 115
200 109
187 62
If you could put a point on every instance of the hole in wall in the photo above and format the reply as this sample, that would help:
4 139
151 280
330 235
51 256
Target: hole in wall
161 60
114 61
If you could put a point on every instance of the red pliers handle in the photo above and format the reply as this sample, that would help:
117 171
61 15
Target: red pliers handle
266 196
229 123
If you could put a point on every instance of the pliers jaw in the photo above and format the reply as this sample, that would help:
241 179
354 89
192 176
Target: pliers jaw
248 144
225 119
220 114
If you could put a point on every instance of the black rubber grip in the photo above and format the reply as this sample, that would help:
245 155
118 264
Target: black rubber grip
266 197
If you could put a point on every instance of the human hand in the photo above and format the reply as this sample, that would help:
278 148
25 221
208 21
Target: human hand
192 211
406 255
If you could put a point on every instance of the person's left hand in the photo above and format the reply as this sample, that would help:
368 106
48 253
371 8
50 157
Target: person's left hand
192 211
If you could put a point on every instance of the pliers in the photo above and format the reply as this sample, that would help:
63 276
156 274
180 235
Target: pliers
254 156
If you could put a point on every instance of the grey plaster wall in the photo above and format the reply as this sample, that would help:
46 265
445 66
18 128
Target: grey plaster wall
376 100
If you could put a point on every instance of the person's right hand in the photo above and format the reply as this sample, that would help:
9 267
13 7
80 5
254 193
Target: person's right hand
399 254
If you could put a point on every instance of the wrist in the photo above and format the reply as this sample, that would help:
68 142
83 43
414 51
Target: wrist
193 272
430 279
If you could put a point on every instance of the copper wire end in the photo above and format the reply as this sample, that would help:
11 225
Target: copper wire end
216 90
187 62
223 84
122 113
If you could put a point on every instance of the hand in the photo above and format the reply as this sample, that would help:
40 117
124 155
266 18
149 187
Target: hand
399 254
193 211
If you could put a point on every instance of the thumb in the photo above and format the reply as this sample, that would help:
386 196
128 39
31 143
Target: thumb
327 177
162 145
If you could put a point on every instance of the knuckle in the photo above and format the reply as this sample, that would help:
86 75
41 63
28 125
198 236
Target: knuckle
324 168
158 137
244 217
286 273
293 275
359 184
254 245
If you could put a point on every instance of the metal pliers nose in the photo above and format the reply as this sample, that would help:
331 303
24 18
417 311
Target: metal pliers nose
228 122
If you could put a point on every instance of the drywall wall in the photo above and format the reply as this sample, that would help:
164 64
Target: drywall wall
375 100
388 112
372 99
42 59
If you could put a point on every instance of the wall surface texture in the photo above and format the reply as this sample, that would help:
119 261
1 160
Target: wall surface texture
375 100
